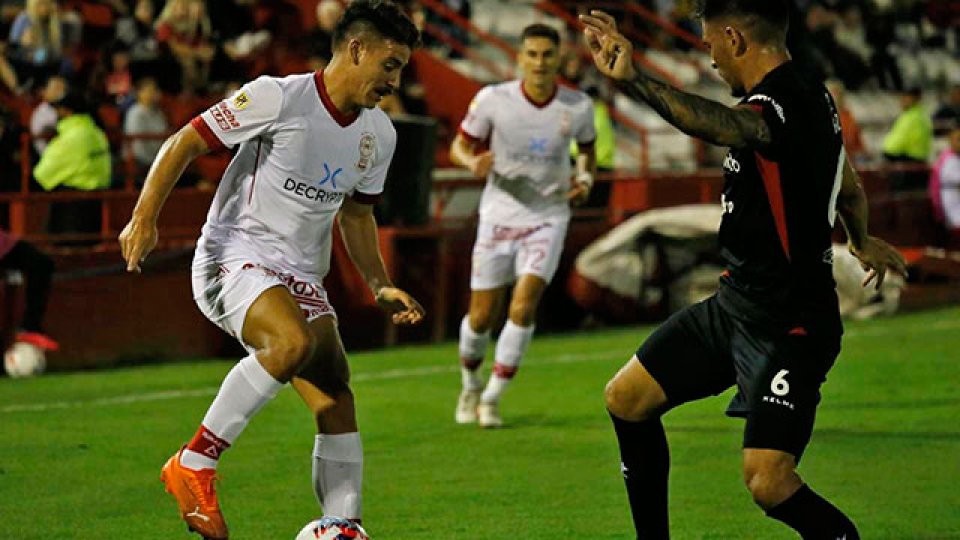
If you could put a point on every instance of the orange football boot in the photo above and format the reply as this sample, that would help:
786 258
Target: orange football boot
196 497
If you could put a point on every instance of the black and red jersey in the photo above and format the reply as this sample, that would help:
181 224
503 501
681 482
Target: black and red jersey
780 206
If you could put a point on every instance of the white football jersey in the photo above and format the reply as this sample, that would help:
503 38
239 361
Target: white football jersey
531 150
298 158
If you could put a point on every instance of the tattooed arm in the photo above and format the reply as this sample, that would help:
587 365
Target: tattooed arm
739 127
713 122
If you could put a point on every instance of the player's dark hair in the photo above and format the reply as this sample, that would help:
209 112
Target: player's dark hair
766 20
381 16
541 30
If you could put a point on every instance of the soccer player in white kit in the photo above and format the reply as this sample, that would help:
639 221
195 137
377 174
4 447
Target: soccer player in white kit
524 209
312 147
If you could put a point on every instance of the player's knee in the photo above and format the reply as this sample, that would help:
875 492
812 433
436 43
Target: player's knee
480 320
769 486
522 312
624 401
296 348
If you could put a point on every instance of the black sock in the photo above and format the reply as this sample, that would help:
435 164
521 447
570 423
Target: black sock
814 517
37 269
646 466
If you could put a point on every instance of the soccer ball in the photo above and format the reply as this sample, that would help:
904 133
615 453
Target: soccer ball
332 528
24 360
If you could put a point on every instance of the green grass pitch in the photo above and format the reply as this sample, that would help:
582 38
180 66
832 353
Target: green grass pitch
81 453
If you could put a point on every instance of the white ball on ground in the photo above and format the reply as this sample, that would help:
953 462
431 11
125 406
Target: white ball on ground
24 360
332 528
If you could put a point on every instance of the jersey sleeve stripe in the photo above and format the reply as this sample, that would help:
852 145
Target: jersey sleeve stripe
470 137
207 134
366 198
770 172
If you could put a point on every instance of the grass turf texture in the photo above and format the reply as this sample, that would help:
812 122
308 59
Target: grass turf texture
81 452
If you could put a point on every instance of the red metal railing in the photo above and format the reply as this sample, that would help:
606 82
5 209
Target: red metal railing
638 57
466 51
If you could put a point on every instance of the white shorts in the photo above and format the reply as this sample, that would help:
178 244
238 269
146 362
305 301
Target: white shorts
225 290
501 253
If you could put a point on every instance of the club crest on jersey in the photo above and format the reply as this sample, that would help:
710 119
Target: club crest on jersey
368 145
241 100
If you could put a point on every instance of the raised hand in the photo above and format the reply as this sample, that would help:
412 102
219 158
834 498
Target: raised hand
404 309
612 53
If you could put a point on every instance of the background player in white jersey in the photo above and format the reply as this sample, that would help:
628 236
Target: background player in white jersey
524 209
312 147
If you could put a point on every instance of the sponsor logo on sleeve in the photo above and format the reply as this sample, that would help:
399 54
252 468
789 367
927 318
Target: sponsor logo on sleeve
241 100
224 116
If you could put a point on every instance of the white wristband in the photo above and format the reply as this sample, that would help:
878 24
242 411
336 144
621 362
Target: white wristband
585 179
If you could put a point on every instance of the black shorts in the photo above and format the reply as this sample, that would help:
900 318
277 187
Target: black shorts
703 350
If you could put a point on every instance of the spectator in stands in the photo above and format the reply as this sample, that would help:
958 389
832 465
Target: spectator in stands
43 120
37 40
944 188
851 56
146 118
135 31
79 156
912 133
184 28
605 147
118 84
39 36
852 138
319 39
909 141
37 270
880 34
949 112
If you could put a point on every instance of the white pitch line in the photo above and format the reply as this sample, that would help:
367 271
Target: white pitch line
212 390
948 324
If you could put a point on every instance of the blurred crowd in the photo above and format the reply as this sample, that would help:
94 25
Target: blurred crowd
109 79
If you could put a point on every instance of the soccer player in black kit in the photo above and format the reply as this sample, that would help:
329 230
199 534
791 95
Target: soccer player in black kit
773 329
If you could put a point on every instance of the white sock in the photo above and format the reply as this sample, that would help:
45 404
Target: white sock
245 390
338 474
511 346
473 346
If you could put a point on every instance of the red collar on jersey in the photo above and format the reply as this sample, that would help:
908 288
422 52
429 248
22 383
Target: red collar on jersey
539 104
343 119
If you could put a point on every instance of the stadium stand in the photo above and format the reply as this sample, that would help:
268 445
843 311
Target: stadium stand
656 166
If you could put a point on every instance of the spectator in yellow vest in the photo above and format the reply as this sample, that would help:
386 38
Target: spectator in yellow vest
79 156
